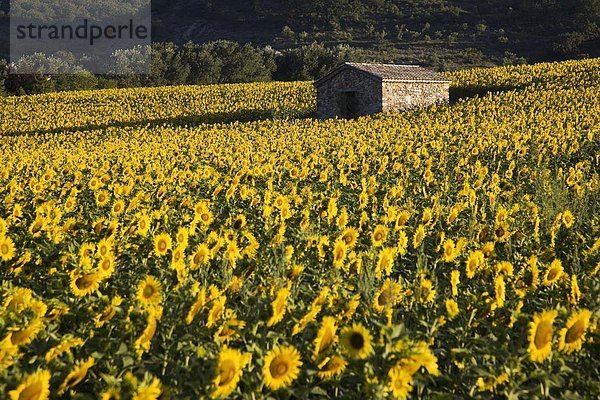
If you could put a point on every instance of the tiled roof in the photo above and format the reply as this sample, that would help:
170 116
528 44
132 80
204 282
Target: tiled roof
390 72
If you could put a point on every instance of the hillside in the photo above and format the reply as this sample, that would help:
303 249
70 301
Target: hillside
214 241
442 33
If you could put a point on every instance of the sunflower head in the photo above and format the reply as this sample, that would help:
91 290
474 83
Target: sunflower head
34 387
379 235
554 273
7 248
230 364
350 237
540 335
278 306
281 367
400 383
200 257
326 336
387 296
331 366
77 374
84 283
162 244
571 337
149 292
356 341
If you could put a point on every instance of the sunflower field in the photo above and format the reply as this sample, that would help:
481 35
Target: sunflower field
214 242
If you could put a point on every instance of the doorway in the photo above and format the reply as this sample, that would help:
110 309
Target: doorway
348 104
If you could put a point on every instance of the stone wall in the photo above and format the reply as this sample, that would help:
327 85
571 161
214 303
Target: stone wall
368 93
398 96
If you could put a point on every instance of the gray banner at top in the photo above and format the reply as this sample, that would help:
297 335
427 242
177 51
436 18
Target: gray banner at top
68 37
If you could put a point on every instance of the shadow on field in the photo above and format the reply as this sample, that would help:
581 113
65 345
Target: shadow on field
468 91
180 121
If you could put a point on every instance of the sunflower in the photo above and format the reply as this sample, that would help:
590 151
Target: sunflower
488 249
567 219
331 366
500 291
505 268
24 336
18 299
402 218
149 292
106 266
8 353
309 317
402 245
571 337
339 253
203 213
177 258
143 342
149 391
64 346
84 283
540 335
385 261
182 236
575 294
532 263
454 281
111 393
230 364
7 248
104 247
3 227
419 236
118 207
37 226
423 357
232 253
102 198
350 236
474 263
379 235
400 382
239 222
109 312
554 273
197 306
426 291
77 374
200 257
281 367
143 225
216 311
325 336
278 306
450 252
356 341
87 250
452 308
387 296
162 244
35 386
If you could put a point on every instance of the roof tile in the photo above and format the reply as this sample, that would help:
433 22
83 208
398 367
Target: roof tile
391 72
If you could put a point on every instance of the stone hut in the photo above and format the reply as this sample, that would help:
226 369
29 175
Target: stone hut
353 89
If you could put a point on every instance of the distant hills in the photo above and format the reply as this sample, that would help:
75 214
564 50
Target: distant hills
441 33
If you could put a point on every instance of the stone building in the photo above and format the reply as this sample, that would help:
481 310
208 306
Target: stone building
353 89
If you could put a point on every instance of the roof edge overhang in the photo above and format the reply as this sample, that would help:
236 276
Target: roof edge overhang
416 81
342 67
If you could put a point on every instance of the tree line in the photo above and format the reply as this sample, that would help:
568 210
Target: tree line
190 64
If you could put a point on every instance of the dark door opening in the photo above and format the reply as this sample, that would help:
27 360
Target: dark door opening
348 104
